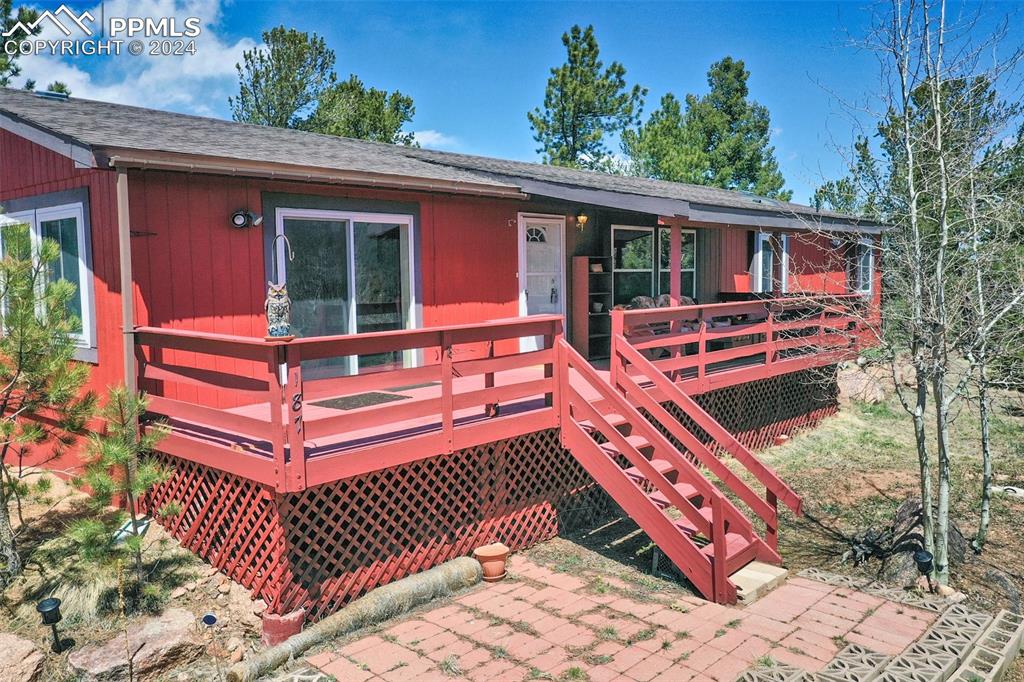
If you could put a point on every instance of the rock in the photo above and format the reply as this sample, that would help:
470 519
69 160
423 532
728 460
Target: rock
224 587
191 585
22 661
856 384
222 600
946 591
906 536
1003 584
237 654
258 607
235 643
862 361
178 593
162 643
210 571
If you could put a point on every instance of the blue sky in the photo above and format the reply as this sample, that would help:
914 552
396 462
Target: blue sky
474 69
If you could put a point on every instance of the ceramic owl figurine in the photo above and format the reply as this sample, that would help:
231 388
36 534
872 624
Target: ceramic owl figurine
279 310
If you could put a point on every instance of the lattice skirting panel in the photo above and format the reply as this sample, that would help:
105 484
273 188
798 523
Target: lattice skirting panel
327 545
758 412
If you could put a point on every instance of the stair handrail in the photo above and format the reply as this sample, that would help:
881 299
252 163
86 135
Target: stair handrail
764 474
573 360
703 454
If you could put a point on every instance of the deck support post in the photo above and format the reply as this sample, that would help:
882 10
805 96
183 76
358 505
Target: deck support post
771 532
294 428
675 275
278 429
447 393
124 243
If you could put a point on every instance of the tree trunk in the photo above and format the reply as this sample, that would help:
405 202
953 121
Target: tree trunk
986 456
942 451
8 542
924 461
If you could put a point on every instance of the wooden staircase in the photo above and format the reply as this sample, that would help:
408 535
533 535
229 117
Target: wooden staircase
661 486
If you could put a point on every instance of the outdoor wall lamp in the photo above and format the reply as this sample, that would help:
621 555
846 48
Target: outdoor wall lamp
581 220
923 559
243 218
49 609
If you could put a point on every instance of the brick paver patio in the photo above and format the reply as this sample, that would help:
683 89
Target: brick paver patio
548 625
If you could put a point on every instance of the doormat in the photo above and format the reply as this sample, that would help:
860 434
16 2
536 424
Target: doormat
354 402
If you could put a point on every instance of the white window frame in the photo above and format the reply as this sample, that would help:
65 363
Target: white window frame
34 218
784 284
865 287
350 218
762 240
654 255
667 233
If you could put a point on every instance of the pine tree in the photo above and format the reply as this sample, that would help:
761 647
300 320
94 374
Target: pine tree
9 18
279 85
583 105
42 401
119 464
350 109
721 140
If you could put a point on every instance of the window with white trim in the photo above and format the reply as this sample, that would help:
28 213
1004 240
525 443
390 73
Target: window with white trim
863 266
65 225
762 265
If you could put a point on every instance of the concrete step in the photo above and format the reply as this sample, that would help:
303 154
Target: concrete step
757 579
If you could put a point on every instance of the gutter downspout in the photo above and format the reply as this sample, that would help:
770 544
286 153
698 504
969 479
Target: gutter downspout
124 242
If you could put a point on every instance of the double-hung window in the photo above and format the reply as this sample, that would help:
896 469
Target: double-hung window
65 225
863 266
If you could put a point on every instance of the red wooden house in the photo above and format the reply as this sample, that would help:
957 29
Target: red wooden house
462 369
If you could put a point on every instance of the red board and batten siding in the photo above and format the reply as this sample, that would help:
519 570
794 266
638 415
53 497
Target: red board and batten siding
196 272
27 169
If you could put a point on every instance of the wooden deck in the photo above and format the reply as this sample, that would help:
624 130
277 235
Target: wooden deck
467 386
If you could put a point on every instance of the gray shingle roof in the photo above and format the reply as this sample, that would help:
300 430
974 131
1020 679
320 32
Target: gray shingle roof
100 125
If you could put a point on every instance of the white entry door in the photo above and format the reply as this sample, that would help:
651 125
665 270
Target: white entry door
541 269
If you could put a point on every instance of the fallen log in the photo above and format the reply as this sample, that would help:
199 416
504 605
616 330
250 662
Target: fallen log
376 606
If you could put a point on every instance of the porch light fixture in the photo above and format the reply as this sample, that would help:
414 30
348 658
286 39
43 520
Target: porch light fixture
924 560
49 609
581 220
243 218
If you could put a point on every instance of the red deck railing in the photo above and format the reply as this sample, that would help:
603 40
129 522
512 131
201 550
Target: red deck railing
243 405
459 392
703 347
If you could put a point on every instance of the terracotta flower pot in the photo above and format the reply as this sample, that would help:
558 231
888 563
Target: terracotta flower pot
492 559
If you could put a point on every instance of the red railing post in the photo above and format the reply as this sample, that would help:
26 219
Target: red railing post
278 430
490 409
447 391
553 341
615 362
771 532
702 348
769 352
720 573
296 425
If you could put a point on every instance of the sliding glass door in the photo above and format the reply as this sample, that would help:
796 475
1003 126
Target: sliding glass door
349 273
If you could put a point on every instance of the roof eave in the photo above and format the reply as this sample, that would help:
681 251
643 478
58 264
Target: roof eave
190 163
69 147
781 220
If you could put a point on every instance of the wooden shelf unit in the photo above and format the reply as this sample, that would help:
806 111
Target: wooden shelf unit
591 331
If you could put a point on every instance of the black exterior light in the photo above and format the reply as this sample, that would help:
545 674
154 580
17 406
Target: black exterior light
242 219
49 609
924 560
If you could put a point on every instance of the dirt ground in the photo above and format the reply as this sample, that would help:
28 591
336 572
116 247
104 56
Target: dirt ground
90 592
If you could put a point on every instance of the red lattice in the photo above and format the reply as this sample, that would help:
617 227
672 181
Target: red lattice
320 548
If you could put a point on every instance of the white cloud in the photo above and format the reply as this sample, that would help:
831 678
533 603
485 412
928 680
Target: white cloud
775 132
197 83
435 139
